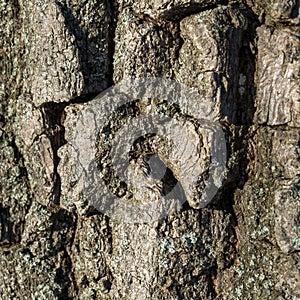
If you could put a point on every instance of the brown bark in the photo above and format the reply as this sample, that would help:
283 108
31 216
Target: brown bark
242 57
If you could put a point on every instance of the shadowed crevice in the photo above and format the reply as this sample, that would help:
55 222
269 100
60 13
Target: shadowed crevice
180 12
52 117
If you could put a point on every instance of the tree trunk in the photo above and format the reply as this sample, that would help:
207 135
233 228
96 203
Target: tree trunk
241 58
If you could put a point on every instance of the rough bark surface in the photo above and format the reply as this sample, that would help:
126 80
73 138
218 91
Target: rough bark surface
240 56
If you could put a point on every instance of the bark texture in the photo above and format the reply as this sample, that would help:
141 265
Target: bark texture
242 57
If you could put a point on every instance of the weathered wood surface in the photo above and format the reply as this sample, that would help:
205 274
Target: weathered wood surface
242 57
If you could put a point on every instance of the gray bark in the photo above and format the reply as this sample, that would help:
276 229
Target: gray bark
242 57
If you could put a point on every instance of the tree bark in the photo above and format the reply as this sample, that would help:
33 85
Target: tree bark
242 58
